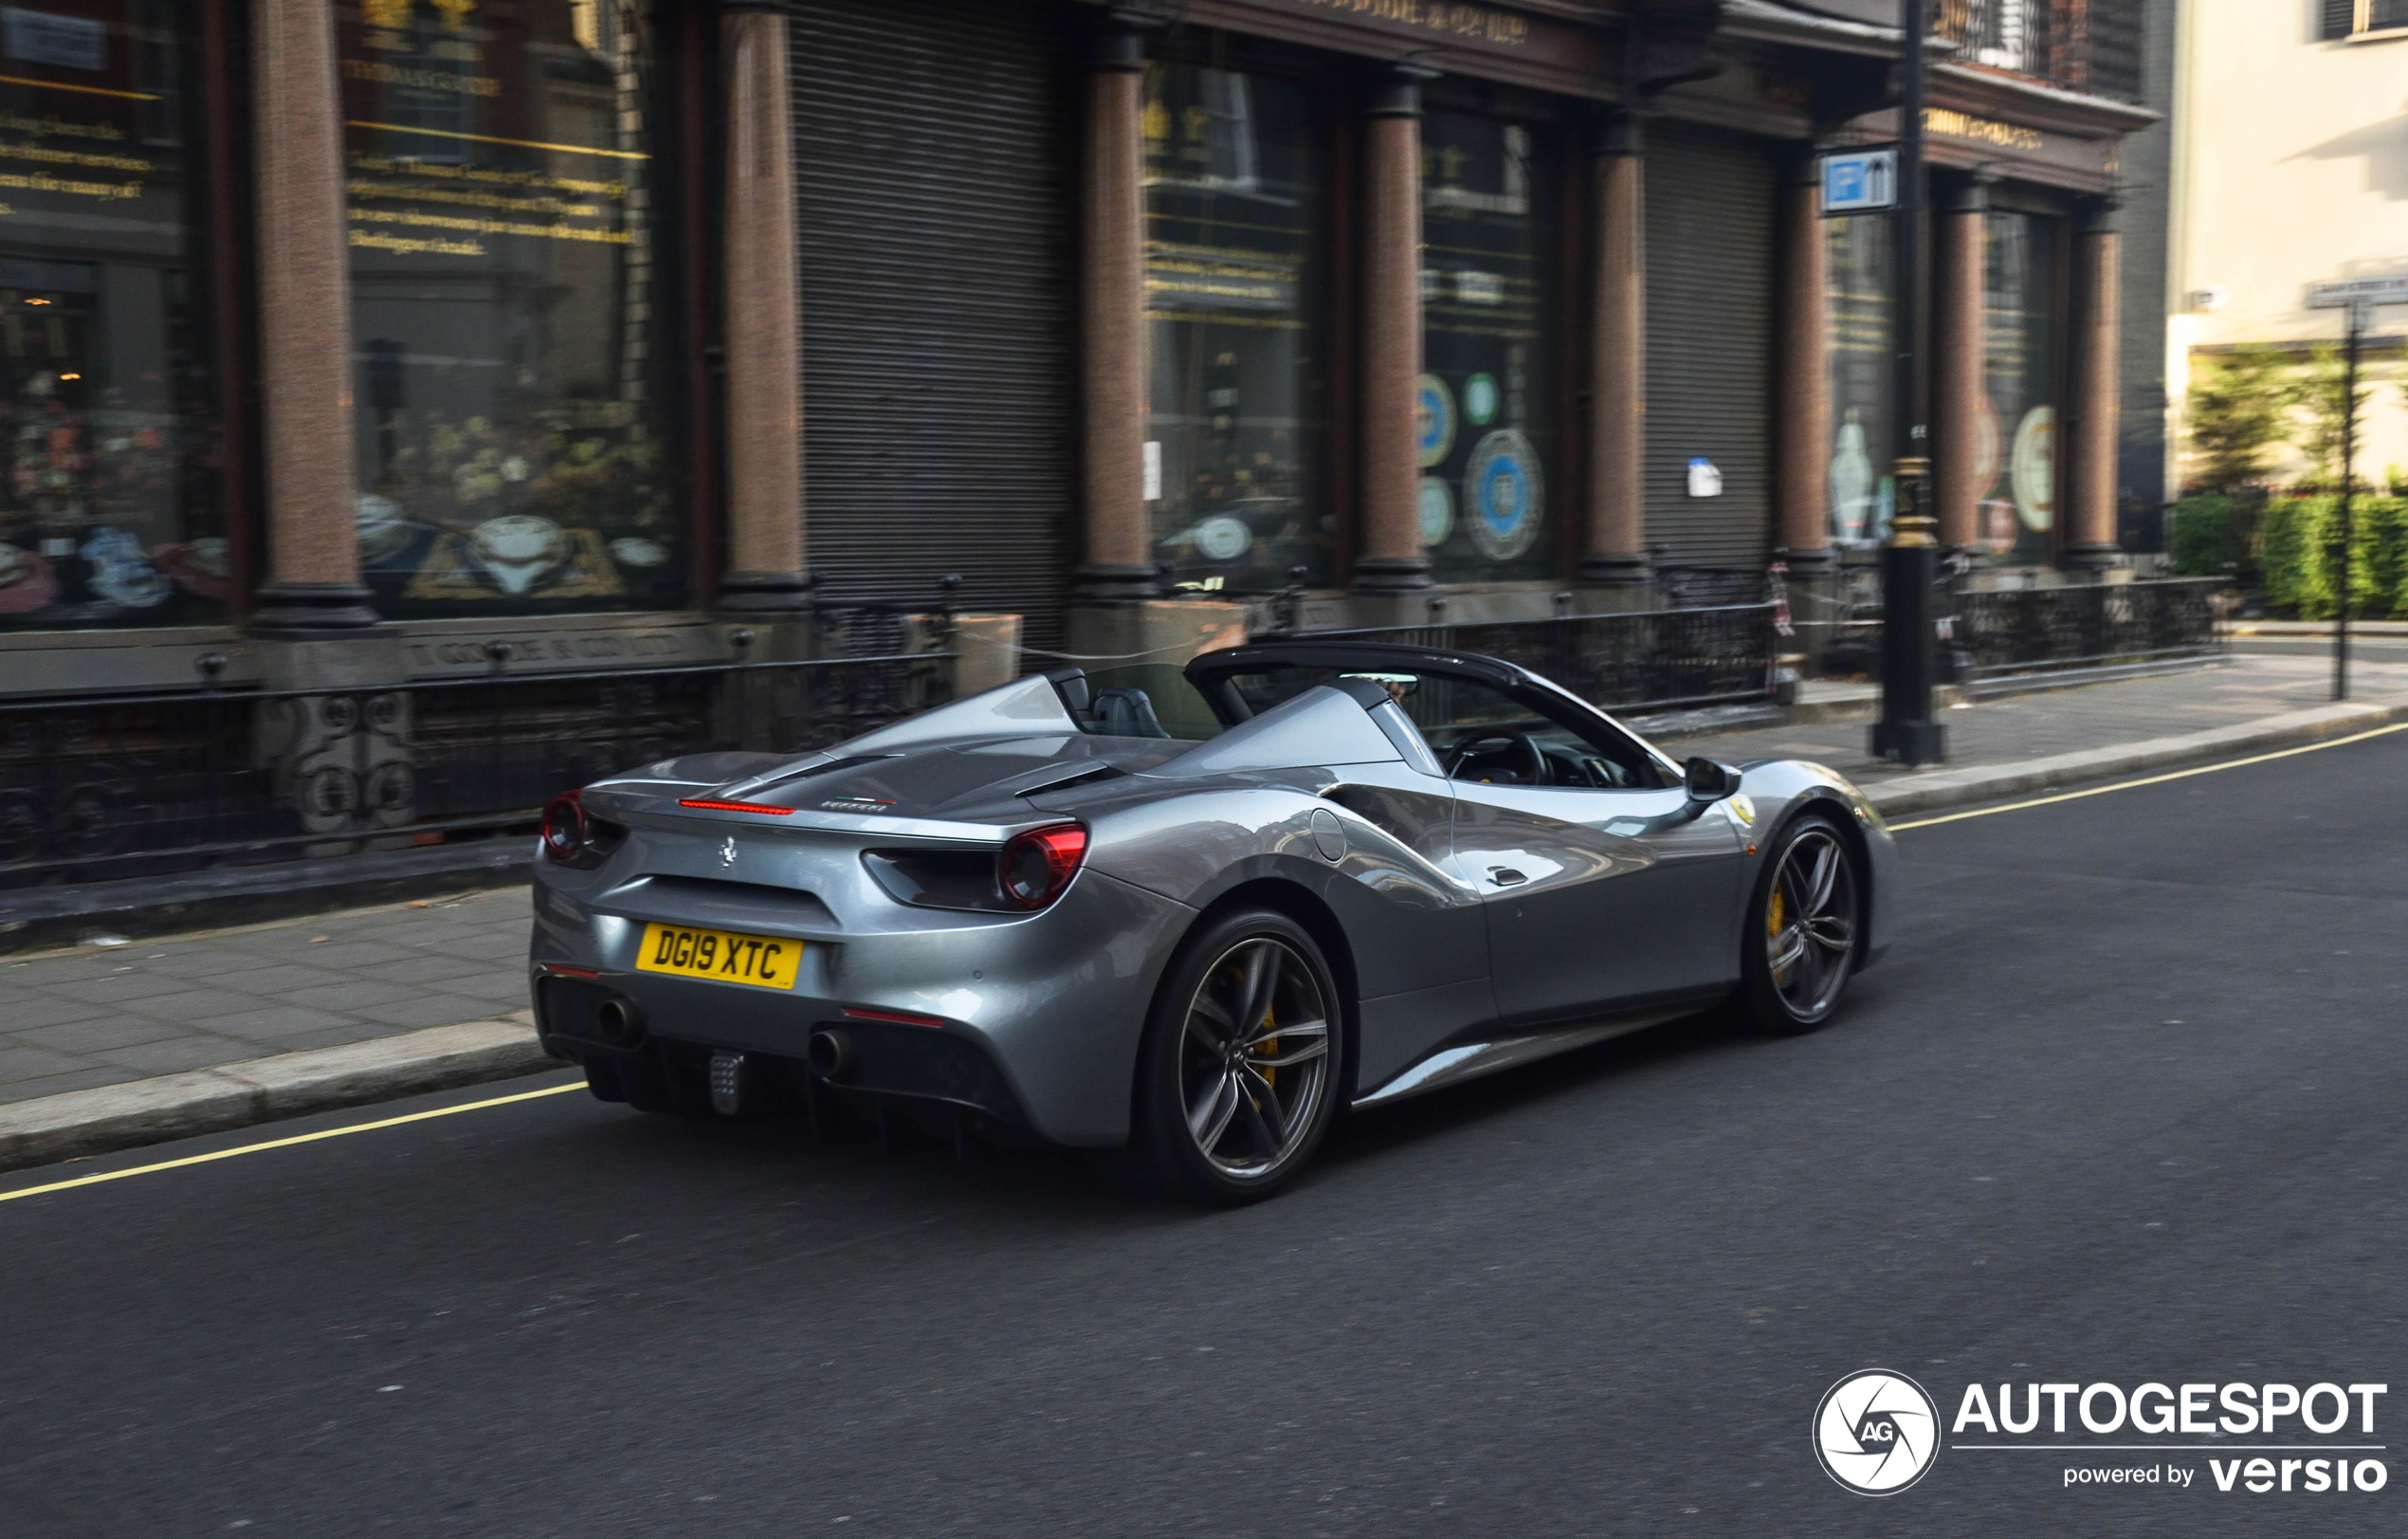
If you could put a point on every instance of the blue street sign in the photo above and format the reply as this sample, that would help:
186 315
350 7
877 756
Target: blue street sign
1859 181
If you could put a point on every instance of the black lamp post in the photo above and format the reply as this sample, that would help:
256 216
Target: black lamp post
2362 313
1910 562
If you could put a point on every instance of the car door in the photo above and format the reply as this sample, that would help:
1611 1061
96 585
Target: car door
1596 895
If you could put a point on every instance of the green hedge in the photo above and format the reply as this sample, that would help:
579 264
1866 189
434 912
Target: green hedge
2209 535
2298 542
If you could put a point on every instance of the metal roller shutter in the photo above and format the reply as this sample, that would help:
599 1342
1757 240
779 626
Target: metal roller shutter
1709 336
932 155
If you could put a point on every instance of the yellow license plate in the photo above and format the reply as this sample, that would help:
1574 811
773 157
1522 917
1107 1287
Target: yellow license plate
762 961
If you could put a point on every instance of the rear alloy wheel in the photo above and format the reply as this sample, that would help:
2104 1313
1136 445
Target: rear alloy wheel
1801 940
1238 1076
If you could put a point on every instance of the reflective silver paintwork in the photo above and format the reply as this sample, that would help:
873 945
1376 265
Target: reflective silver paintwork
1470 926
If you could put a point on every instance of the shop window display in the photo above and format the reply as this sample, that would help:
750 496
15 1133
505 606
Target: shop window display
109 512
1488 407
2019 453
1863 380
1237 208
504 316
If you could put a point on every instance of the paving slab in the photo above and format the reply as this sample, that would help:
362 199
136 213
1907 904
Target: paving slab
80 1080
87 1037
241 993
176 1053
27 1012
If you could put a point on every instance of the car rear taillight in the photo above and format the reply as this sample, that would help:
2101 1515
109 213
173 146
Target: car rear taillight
564 828
1036 865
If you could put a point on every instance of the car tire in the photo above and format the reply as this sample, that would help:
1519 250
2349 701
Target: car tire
1804 928
1213 1121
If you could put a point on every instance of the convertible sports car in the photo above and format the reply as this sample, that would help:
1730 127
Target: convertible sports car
1193 913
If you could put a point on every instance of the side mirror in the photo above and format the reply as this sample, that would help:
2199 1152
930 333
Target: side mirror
1710 779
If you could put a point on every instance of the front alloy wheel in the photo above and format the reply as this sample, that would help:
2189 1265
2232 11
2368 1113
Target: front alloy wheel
1237 1077
1804 921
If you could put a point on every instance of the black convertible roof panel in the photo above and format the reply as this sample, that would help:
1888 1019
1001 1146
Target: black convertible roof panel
1372 656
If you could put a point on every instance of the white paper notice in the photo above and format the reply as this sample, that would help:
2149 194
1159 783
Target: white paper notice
1154 470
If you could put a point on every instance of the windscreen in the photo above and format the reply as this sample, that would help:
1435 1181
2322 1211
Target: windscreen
1477 730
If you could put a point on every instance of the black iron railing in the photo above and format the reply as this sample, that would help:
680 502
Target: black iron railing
1998 633
1650 659
1710 587
2012 631
137 785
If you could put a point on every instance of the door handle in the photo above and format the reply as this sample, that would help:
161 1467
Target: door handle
1506 875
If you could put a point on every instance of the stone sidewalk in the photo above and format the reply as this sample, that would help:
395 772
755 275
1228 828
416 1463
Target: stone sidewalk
103 1016
95 1017
2031 727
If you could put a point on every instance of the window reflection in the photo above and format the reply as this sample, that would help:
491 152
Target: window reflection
1488 396
109 502
1862 379
1236 197
2018 452
503 314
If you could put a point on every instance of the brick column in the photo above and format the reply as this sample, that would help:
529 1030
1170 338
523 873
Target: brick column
1957 348
2092 405
767 569
304 326
1388 558
1119 566
1803 375
1616 544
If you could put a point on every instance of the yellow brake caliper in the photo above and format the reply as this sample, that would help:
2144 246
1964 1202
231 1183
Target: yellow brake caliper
1773 912
1271 1050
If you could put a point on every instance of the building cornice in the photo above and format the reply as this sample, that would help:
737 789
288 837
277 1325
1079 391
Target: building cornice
1978 88
1762 21
1573 47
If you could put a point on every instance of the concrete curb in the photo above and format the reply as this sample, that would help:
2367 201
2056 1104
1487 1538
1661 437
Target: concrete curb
112 1117
1988 782
2313 628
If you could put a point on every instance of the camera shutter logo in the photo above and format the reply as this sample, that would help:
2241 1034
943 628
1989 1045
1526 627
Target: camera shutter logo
1876 1432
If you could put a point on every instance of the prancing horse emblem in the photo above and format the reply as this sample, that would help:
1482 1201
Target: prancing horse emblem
727 851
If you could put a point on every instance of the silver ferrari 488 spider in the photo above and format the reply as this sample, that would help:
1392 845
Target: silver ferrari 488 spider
1193 913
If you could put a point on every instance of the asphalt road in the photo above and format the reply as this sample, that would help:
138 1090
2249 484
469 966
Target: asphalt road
2125 1106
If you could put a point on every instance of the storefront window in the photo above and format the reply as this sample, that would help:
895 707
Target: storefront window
1489 350
109 502
505 312
1863 378
2018 455
1236 210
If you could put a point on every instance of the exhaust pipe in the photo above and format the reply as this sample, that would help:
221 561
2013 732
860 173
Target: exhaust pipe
619 1022
829 1054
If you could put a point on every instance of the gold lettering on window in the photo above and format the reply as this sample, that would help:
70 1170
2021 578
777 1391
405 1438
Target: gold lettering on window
1958 125
424 80
1477 23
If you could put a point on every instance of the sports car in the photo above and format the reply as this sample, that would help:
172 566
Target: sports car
1192 914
